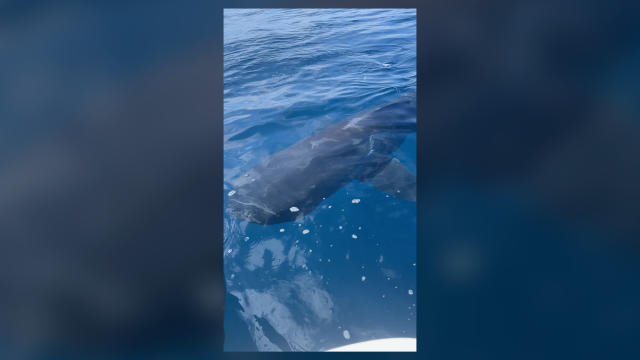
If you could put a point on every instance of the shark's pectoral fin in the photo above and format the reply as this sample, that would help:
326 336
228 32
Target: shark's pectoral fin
397 180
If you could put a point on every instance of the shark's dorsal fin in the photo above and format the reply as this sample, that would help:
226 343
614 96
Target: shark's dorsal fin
395 179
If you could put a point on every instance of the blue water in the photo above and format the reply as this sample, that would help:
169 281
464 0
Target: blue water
352 277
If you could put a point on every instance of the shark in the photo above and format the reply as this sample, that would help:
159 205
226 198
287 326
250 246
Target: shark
291 183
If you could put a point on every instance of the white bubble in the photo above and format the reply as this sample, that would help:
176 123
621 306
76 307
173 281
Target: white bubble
330 206
354 236
363 278
294 209
346 334
246 238
410 292
305 231
355 201
281 230
340 227
229 251
232 192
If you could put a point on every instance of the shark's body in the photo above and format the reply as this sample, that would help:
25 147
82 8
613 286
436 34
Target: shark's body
292 182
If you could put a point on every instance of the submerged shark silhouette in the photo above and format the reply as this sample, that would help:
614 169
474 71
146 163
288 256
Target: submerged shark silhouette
293 182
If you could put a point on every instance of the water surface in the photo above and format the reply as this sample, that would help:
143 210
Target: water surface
345 272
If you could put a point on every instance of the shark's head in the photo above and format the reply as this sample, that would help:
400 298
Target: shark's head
248 209
243 206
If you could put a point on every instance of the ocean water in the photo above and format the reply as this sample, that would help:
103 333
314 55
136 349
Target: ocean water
346 272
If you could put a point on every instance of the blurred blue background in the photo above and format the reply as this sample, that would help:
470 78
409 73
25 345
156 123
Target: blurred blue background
111 163
529 180
110 233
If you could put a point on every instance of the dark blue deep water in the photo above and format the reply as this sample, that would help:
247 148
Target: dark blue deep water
352 276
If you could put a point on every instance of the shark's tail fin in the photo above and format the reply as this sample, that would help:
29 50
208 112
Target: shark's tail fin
398 114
